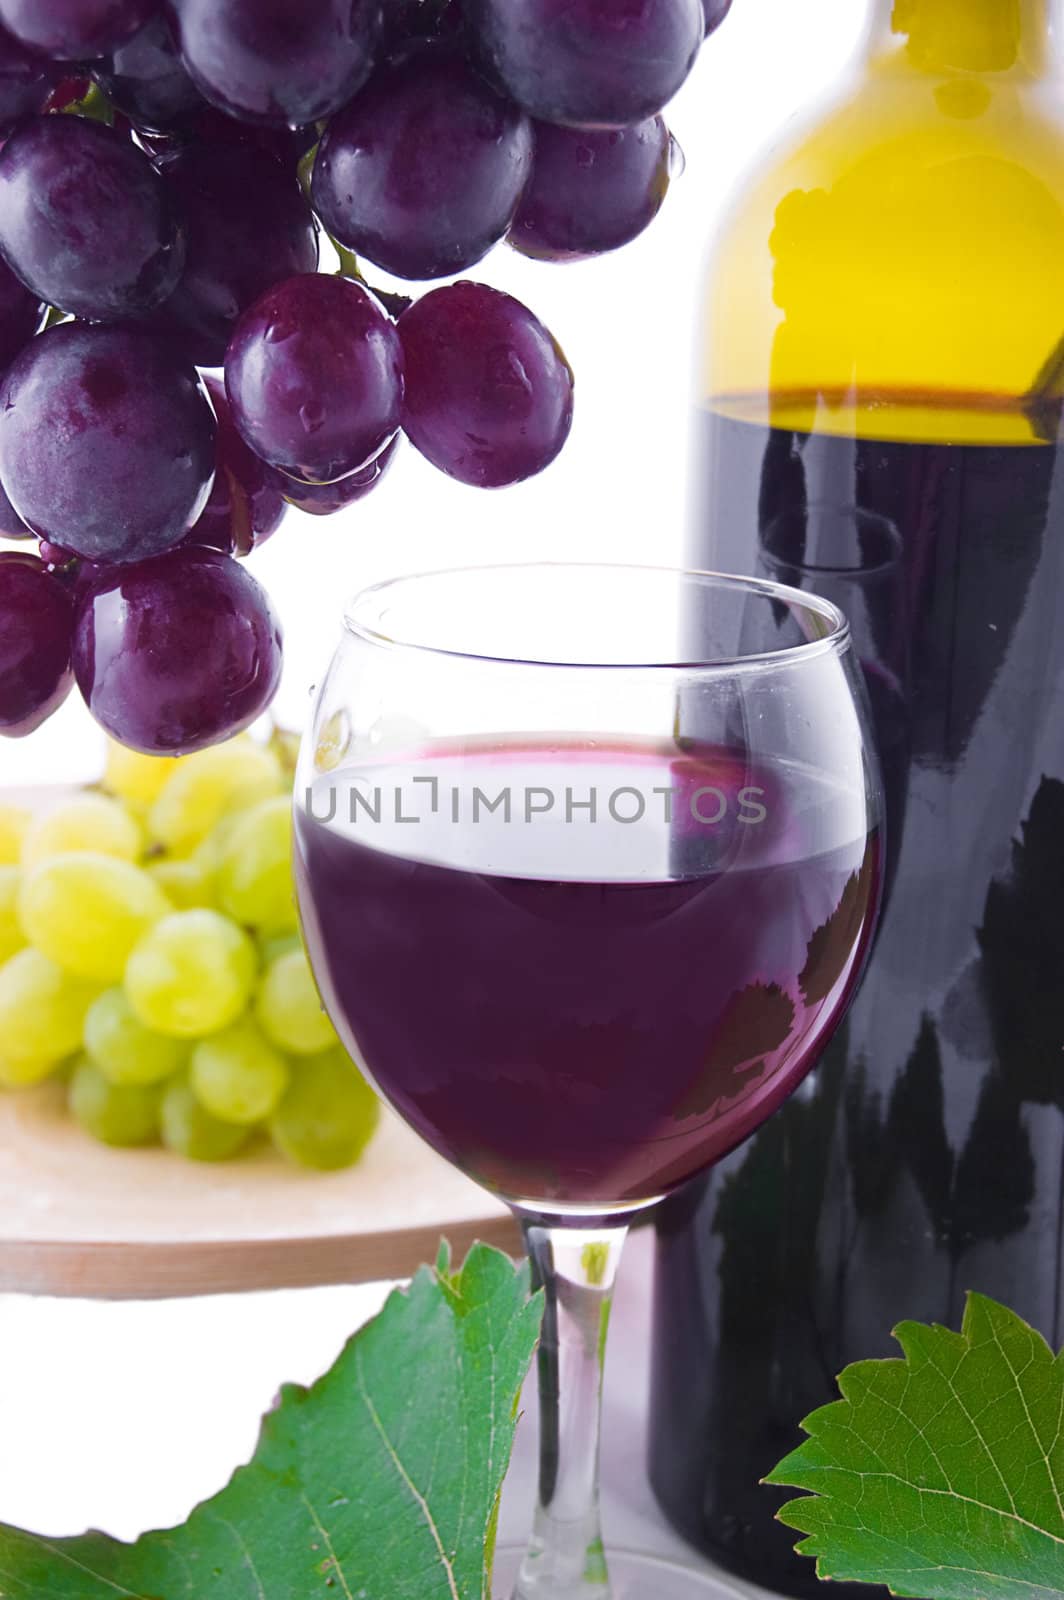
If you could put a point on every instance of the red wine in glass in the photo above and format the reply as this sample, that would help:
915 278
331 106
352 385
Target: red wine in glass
587 993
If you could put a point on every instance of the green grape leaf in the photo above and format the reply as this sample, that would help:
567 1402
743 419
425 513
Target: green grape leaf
380 1482
941 1475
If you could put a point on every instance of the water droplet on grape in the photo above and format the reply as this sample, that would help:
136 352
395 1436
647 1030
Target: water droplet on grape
312 415
585 157
677 159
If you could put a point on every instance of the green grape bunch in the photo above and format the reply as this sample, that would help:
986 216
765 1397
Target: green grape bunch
151 964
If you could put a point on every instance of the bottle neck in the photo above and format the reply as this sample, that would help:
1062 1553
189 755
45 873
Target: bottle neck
968 35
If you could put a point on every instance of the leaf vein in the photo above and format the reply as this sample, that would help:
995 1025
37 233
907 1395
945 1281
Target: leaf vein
1030 1420
242 1545
948 1494
949 1379
337 1568
64 1555
972 1572
422 1503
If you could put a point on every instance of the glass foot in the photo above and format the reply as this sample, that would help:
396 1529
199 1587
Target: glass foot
632 1577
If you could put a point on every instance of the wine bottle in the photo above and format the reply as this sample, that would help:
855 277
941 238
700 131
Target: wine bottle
880 420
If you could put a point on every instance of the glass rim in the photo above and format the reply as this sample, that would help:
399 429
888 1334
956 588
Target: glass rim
835 641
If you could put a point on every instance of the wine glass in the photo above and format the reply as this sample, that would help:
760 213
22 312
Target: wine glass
588 860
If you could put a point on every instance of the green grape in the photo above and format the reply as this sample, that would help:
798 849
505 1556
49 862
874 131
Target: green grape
285 742
272 945
126 1114
88 911
91 822
24 1074
191 975
289 1010
208 854
12 937
255 872
221 835
14 823
238 1075
42 1010
190 1130
137 779
207 857
328 1115
186 884
125 1051
205 786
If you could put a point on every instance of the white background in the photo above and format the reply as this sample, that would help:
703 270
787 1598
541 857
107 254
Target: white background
122 1416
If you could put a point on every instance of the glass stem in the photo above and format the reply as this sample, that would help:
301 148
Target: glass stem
576 1269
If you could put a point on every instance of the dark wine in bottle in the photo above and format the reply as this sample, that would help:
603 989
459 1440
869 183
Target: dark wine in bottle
925 1156
880 421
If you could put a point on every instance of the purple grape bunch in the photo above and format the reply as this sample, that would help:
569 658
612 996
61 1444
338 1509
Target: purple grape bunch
177 368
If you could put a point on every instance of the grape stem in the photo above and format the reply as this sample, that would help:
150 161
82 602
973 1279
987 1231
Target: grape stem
94 104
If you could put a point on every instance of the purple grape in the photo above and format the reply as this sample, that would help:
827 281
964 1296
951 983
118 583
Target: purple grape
314 374
247 227
212 127
75 30
25 82
279 61
489 395
286 145
85 220
323 499
36 624
715 11
145 79
247 501
177 653
422 172
21 314
591 190
590 63
408 20
106 441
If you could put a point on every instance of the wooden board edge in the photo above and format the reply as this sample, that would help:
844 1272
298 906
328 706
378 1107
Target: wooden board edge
132 1271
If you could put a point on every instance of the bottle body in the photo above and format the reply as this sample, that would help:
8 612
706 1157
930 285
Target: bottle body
881 422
